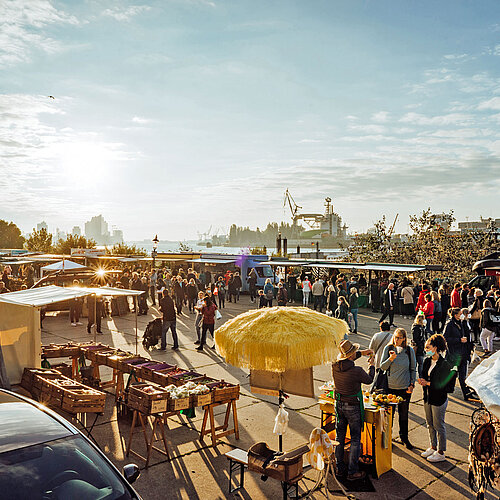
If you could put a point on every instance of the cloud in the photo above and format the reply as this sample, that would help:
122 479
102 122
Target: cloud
455 57
370 128
493 103
124 15
449 119
21 25
306 141
42 164
381 117
141 121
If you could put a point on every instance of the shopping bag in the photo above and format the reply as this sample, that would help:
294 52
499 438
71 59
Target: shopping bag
380 383
218 315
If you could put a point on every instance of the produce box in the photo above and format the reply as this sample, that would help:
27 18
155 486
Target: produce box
53 390
160 376
64 369
126 364
148 398
201 399
224 391
30 379
92 350
179 404
101 357
187 376
61 351
83 400
145 371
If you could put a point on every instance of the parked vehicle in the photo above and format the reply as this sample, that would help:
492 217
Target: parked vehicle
488 270
43 456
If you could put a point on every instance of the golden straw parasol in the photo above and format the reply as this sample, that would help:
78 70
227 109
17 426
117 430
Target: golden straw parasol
277 339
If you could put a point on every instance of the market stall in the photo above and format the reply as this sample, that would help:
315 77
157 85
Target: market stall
376 435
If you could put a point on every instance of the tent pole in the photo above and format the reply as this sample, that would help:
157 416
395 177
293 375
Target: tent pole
281 400
135 307
94 326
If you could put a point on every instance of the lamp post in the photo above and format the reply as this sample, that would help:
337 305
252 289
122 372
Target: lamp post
155 248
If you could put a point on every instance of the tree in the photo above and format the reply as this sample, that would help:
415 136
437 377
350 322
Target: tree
10 235
72 241
39 241
123 249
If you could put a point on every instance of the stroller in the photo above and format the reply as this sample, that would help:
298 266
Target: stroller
152 334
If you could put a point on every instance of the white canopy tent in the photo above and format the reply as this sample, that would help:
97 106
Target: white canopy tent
20 332
62 265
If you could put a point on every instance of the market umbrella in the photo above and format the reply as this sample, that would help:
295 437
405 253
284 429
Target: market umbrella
278 339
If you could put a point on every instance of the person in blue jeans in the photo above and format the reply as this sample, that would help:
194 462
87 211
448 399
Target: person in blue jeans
354 306
348 378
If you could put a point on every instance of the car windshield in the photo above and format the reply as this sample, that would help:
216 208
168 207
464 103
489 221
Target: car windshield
264 271
60 469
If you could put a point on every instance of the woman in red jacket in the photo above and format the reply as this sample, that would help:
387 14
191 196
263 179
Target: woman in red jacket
428 310
208 311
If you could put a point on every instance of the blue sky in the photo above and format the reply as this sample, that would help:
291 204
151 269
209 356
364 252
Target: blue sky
173 115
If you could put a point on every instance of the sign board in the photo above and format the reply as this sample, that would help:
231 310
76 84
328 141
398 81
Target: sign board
179 404
87 252
298 382
204 399
159 406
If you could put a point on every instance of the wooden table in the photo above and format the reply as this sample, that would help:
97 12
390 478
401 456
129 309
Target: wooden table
156 422
208 418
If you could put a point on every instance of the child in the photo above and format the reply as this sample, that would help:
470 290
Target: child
262 299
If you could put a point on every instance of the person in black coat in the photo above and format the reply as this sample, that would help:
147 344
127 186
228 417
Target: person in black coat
457 335
419 337
437 380
389 303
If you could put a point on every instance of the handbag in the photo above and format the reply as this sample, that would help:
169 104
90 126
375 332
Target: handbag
380 383
218 315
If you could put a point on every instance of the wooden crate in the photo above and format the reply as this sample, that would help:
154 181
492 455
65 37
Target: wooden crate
30 379
64 369
101 357
83 400
201 399
187 376
145 402
52 391
92 350
160 377
145 371
223 394
114 360
179 404
126 364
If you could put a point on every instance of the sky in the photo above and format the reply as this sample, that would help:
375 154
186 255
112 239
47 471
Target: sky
171 116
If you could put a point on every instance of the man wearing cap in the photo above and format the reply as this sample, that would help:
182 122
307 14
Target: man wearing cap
349 408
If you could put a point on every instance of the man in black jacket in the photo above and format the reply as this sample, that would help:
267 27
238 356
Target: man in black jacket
167 307
252 284
348 400
389 298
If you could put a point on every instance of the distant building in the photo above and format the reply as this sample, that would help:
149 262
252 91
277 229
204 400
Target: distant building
60 235
42 225
76 231
441 221
117 237
97 229
482 225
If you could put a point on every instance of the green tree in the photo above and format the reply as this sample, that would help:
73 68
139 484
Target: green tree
124 249
39 241
72 241
10 235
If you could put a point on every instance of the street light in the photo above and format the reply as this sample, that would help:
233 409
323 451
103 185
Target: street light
155 248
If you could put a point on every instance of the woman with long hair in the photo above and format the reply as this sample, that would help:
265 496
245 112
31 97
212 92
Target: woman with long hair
437 381
398 360
419 337
475 314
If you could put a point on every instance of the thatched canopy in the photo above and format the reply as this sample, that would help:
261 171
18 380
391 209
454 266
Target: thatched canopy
280 338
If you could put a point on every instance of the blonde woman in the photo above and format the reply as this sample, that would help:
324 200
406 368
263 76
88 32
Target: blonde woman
398 360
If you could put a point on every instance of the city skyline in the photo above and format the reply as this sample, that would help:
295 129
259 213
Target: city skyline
172 116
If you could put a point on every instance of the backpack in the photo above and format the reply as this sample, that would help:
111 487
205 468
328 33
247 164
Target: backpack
270 294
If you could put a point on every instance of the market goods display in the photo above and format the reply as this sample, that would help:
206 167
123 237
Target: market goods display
385 399
58 391
192 389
